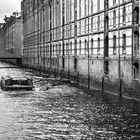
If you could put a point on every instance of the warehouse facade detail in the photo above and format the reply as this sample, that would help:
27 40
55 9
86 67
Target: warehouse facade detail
93 42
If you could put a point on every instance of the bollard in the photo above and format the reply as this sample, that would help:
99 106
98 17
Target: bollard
103 84
120 88
88 81
77 78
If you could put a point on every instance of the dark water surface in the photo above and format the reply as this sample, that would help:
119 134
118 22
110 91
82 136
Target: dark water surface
64 112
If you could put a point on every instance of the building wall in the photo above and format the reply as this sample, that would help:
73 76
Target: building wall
85 39
10 36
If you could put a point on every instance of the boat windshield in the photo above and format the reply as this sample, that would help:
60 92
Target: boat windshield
19 82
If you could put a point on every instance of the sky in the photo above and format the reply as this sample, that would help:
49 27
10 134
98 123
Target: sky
7 7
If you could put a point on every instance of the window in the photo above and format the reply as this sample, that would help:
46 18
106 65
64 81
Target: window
136 70
91 46
80 47
91 6
98 2
114 44
59 49
85 26
79 27
67 48
92 24
136 43
98 23
124 15
70 47
124 44
56 50
85 7
106 23
114 2
114 18
75 47
136 15
85 46
53 49
98 47
79 8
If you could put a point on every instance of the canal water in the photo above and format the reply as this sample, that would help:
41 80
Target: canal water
58 111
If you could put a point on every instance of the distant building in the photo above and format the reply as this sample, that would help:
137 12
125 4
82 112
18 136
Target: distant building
10 35
84 40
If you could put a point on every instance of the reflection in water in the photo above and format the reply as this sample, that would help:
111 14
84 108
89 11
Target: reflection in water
63 112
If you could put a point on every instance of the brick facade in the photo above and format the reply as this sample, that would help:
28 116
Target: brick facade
85 40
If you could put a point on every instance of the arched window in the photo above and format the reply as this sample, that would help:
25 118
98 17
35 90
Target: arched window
92 46
56 50
98 4
85 46
124 15
85 7
98 47
114 44
75 47
136 42
136 70
79 8
136 15
114 18
79 27
70 47
80 47
53 49
98 22
67 47
106 23
59 49
124 44
92 24
92 6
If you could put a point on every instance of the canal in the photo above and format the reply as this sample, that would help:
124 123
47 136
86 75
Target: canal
59 111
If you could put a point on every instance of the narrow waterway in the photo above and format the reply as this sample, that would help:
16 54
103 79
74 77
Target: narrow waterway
57 111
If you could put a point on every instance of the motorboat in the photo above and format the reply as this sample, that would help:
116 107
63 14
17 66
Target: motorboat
16 83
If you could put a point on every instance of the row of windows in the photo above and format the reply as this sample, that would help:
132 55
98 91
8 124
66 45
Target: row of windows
69 48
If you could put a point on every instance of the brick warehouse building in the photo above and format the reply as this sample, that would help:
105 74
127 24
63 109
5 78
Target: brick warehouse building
94 42
10 36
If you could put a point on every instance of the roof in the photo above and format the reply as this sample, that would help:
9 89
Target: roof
16 77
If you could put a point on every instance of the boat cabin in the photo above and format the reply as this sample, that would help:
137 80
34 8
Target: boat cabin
13 83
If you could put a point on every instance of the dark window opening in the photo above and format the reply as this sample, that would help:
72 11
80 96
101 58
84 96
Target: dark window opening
98 22
85 46
75 47
114 18
124 15
98 47
136 15
91 46
124 44
59 49
106 23
80 47
136 43
70 47
114 44
136 70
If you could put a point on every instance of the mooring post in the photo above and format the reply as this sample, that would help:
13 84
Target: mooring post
77 77
120 88
102 84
